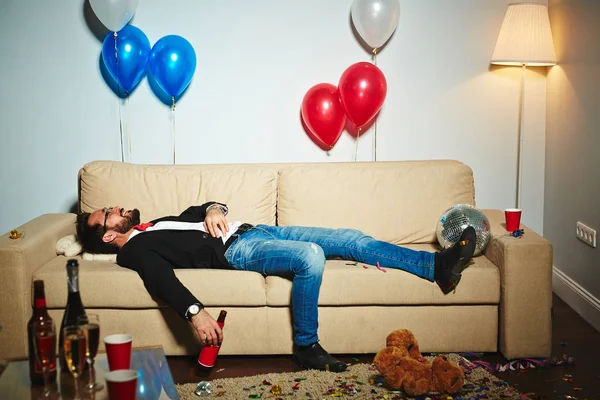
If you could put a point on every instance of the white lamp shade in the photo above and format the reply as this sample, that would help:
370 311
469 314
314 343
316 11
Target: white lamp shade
525 37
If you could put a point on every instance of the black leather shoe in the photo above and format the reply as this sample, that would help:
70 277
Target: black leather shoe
451 263
315 357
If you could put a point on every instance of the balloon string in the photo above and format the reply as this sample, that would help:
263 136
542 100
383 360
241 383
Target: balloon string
115 34
121 129
119 100
117 61
173 127
375 125
375 142
356 147
127 119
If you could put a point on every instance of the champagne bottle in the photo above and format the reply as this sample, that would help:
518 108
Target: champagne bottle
40 313
208 354
73 309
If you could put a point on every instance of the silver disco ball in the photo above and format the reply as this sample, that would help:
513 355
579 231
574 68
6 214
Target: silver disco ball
456 219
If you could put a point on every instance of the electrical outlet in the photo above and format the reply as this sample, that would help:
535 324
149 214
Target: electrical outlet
586 234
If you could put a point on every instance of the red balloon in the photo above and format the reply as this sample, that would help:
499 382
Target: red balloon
362 91
323 114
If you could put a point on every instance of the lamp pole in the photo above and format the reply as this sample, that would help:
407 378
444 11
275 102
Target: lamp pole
520 137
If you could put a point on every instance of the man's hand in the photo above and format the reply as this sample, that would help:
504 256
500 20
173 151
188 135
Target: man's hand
209 331
215 222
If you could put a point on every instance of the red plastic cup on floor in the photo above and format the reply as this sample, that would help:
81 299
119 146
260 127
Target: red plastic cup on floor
513 219
118 351
121 384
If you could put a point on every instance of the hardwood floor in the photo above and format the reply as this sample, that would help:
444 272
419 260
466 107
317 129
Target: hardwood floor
572 336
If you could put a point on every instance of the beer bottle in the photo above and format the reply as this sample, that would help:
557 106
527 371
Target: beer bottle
40 313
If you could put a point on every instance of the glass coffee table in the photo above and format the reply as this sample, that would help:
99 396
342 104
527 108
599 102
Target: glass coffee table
154 378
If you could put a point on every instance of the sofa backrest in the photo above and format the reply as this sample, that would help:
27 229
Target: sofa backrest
396 201
249 190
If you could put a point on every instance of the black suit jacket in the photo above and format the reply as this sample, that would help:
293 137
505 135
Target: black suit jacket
155 254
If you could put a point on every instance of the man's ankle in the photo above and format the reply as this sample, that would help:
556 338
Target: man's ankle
306 346
437 262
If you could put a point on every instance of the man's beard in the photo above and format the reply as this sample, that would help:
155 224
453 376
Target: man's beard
128 222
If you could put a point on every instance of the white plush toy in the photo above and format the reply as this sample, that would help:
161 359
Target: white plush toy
69 246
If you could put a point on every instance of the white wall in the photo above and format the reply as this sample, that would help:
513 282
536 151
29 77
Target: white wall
573 153
256 60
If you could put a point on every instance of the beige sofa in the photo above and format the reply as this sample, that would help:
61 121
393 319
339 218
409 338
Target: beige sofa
503 302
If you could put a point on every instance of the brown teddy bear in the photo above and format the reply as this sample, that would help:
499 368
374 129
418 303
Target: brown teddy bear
404 368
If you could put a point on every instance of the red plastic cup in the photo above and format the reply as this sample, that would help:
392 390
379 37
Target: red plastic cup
118 351
208 354
121 384
513 219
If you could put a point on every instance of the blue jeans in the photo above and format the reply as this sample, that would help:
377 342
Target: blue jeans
299 253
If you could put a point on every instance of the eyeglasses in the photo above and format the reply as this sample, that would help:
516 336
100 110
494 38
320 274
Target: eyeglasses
106 214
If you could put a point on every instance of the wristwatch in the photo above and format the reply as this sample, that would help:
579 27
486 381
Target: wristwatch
223 208
192 310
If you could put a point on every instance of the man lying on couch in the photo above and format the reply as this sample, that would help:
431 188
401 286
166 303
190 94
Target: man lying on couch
201 237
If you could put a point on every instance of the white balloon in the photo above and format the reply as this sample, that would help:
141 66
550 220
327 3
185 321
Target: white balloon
375 20
114 14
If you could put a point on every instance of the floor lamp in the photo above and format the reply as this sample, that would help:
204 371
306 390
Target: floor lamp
525 39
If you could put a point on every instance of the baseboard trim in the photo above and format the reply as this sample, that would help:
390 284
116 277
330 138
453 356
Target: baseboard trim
576 297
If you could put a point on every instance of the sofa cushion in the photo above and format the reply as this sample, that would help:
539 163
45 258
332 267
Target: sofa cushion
399 201
250 191
106 285
345 284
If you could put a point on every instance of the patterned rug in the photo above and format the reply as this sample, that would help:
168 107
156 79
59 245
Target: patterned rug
360 381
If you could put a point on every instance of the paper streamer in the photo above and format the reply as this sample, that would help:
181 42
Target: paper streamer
516 365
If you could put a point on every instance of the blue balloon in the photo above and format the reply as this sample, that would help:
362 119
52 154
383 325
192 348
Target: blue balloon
127 59
172 63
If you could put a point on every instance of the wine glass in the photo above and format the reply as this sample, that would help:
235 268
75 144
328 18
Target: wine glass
74 346
45 349
90 324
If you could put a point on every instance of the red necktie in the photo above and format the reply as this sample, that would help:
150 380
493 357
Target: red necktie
143 226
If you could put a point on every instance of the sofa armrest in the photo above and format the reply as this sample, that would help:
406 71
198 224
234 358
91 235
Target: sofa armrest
19 259
525 266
